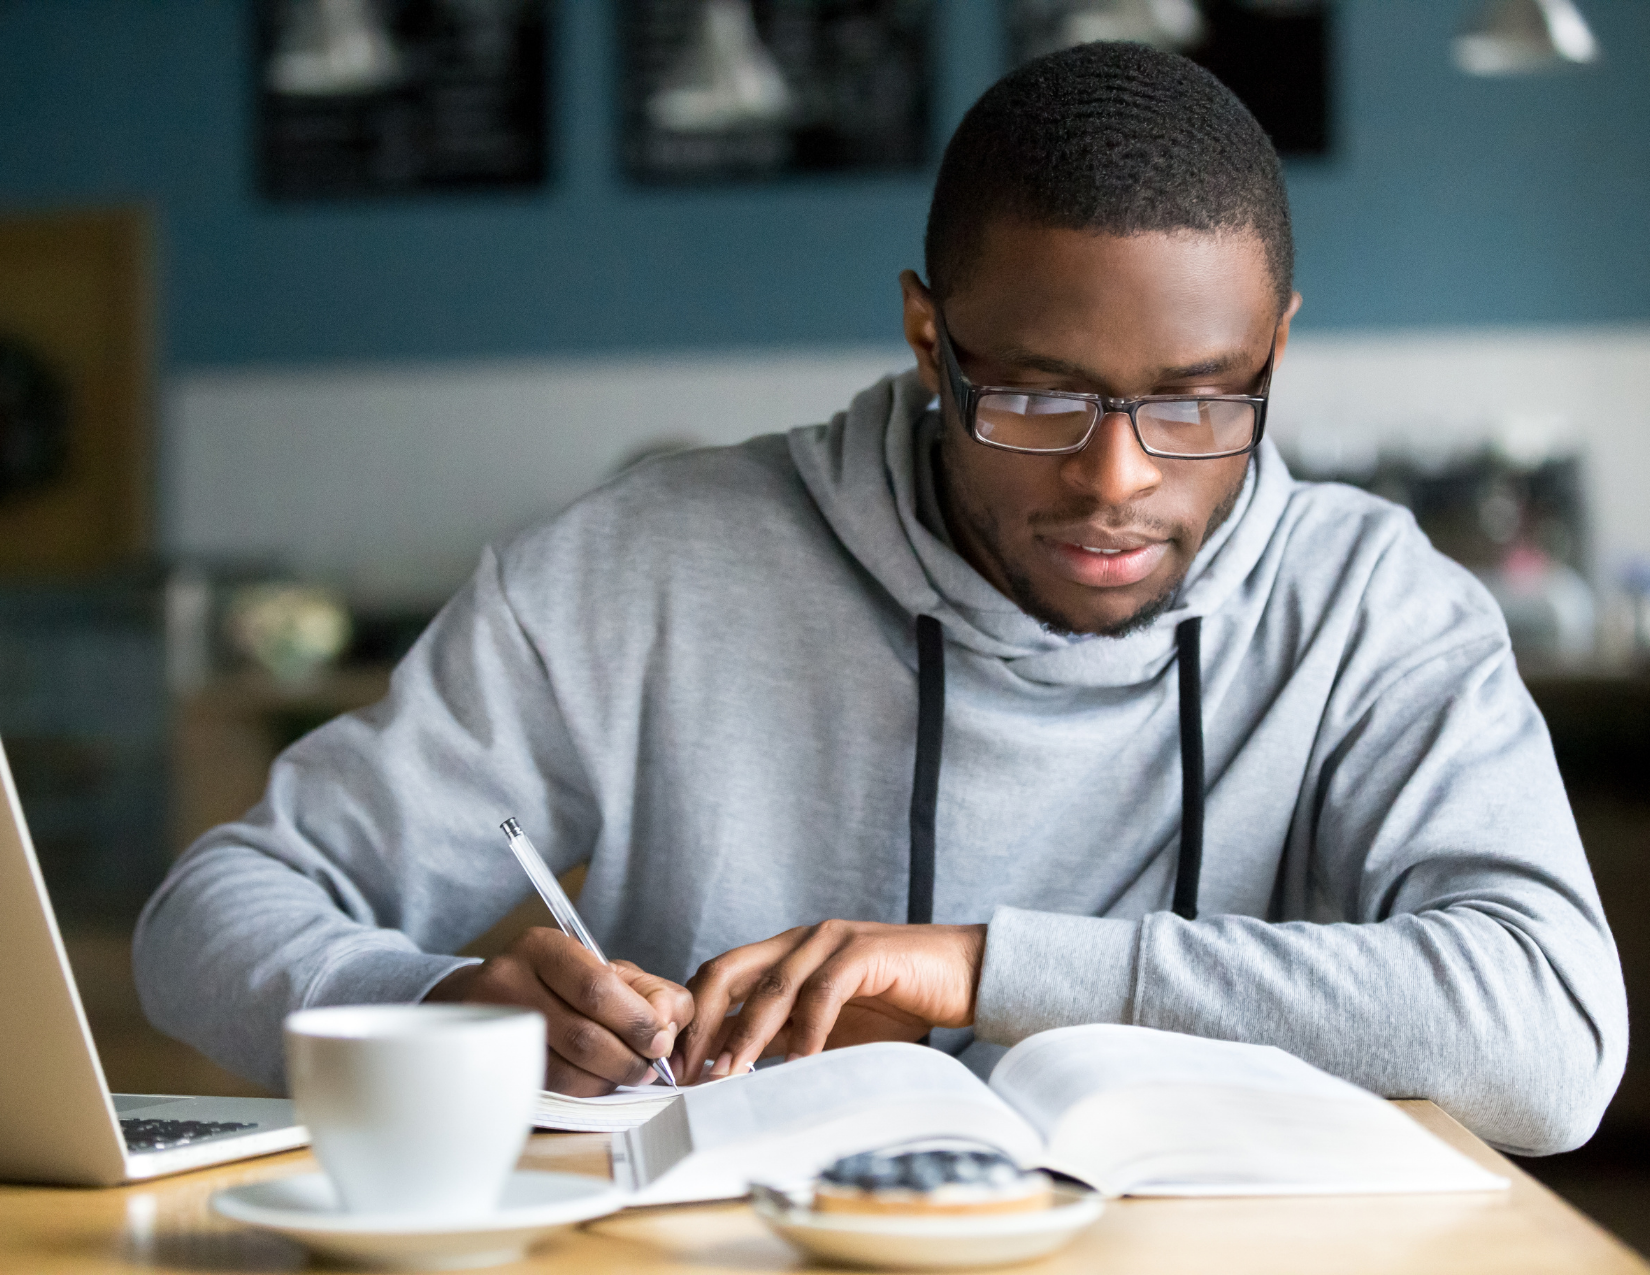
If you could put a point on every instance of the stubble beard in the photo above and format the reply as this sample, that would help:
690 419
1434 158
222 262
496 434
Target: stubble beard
1023 592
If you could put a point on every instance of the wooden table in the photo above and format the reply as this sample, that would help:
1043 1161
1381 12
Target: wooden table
167 1225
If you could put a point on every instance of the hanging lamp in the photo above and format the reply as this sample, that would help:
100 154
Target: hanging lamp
1515 37
1165 24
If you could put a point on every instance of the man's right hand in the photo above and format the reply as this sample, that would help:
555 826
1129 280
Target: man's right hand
606 1023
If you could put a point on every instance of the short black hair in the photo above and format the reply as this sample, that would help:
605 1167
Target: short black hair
1115 138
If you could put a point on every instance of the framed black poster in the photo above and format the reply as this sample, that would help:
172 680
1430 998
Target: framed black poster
720 90
1274 54
381 97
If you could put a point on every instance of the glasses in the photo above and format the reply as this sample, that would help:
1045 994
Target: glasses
1060 422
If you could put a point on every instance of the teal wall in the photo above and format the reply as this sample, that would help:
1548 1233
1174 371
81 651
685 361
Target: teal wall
1451 201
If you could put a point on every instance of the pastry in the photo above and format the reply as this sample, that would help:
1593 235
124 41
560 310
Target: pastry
933 1182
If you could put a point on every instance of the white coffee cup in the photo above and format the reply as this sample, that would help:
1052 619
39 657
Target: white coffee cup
416 1108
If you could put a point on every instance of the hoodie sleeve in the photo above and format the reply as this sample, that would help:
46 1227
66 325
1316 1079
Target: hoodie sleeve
1457 949
375 850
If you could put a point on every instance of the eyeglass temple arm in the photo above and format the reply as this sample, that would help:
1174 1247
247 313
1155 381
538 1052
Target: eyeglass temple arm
951 368
1266 372
1265 393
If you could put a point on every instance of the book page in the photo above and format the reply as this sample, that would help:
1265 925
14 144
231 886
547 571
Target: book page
809 1091
786 1123
1047 1073
1135 1111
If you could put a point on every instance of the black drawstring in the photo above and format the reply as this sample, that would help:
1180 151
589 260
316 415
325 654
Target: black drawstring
925 780
1190 659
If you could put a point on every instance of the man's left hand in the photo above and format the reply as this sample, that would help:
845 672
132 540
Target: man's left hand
835 983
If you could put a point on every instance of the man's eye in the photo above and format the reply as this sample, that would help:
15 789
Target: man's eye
1177 412
1043 405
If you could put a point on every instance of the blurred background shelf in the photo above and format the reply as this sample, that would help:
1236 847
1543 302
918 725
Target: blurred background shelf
225 735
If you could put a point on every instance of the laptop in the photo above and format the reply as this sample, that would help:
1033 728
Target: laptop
58 1120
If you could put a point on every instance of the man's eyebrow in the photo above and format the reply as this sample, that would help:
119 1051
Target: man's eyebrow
1231 361
1218 365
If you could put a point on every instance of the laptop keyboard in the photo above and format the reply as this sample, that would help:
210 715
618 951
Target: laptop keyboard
154 1135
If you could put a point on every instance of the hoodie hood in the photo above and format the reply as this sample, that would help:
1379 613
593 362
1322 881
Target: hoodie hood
862 471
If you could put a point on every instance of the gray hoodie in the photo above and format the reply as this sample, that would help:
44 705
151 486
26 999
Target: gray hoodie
700 680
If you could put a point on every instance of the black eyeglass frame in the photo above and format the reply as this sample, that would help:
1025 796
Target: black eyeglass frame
966 395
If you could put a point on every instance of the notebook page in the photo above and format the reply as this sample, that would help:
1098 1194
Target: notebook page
655 1090
624 1095
594 1115
624 1108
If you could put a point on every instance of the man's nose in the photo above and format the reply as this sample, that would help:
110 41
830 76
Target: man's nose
1112 468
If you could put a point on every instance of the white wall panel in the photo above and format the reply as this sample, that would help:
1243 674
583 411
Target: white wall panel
388 479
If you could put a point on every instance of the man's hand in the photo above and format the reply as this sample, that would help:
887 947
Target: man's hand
606 1022
822 986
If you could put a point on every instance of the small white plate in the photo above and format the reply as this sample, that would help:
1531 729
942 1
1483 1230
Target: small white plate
931 1243
306 1209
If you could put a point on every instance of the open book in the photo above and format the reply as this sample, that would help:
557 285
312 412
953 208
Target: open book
1128 1110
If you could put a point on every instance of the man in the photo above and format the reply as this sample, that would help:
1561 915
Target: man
1031 662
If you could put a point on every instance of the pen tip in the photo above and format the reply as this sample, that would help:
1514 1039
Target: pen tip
511 827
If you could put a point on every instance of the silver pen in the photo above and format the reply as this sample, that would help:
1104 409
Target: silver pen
561 907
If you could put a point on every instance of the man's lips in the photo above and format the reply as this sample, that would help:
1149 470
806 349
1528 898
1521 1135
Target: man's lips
1105 561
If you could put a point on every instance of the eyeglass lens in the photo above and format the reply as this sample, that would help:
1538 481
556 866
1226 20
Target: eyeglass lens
1184 427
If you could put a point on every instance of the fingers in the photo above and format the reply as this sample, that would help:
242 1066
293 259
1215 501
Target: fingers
599 993
720 984
778 1047
587 1046
562 1075
804 992
892 981
600 1031
671 1002
797 993
813 1013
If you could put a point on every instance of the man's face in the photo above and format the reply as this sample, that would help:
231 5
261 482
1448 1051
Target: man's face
1095 542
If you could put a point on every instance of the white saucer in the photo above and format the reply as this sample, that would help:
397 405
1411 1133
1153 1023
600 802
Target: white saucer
932 1243
306 1208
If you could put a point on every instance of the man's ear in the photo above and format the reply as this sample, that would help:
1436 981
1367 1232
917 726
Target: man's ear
920 333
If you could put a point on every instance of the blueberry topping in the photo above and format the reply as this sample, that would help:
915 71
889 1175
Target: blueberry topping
921 1170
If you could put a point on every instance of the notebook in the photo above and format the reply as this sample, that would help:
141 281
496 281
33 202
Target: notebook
624 1108
1127 1110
